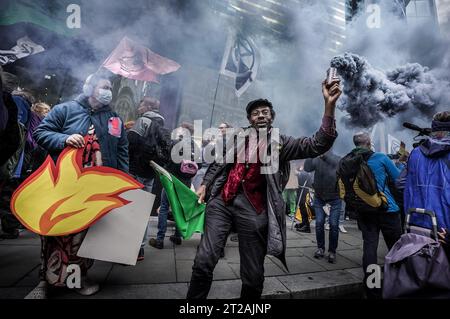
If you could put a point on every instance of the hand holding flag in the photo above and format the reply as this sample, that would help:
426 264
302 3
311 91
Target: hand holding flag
188 213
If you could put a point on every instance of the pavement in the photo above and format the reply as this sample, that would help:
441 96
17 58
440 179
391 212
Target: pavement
165 274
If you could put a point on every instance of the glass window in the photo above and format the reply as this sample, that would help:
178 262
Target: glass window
411 9
423 8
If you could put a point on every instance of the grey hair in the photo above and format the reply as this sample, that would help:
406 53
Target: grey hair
361 139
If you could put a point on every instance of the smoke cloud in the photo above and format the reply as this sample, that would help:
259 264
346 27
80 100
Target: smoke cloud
371 94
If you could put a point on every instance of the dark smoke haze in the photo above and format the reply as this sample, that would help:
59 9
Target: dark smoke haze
407 66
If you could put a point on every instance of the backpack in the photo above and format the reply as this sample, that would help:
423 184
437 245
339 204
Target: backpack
155 148
358 186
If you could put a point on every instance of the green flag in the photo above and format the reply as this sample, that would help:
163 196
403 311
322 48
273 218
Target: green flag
189 215
50 15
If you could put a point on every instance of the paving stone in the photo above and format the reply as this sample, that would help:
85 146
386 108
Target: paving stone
320 284
225 289
341 263
185 253
274 289
298 265
184 270
31 279
354 255
300 243
292 252
14 292
100 271
26 238
16 262
150 270
149 291
357 272
223 271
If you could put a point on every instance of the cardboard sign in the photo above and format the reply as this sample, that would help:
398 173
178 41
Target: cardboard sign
117 237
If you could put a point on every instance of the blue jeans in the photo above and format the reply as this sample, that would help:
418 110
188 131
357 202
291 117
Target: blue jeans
148 186
335 213
342 218
162 218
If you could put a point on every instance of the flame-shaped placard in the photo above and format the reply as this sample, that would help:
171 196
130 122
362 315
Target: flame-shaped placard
67 198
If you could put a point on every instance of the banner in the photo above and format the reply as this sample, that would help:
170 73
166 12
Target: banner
240 61
24 47
134 61
393 145
51 15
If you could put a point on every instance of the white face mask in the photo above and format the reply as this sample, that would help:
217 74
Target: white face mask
104 96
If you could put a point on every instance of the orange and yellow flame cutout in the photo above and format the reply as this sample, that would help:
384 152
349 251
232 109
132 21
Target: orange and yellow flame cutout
67 198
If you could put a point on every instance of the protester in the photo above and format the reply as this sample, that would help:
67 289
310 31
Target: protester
12 138
24 100
182 140
238 193
326 192
10 132
34 154
148 141
426 178
375 212
67 125
305 181
13 171
207 145
290 191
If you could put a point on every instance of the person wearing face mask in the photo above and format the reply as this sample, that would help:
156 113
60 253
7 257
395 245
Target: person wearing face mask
240 193
89 123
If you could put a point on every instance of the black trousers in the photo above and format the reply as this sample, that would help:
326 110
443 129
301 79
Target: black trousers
9 222
252 235
370 225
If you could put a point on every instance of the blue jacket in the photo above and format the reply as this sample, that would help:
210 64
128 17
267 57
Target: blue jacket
75 117
381 167
427 183
23 109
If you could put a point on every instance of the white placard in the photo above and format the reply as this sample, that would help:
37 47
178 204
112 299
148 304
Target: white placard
118 235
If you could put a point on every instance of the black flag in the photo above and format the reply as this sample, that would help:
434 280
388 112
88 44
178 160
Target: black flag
240 61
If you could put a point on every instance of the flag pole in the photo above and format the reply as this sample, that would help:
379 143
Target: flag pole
214 102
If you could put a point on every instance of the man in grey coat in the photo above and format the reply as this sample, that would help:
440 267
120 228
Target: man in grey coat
243 194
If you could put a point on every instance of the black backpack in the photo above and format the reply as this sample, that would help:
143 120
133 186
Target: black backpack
156 146
357 184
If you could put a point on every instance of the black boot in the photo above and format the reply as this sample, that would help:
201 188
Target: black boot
304 229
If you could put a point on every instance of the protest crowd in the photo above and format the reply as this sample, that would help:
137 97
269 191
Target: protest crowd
313 187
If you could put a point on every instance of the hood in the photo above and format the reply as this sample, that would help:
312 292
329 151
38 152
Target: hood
84 101
434 147
153 115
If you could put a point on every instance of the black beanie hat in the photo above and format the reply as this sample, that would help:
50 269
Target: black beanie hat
256 103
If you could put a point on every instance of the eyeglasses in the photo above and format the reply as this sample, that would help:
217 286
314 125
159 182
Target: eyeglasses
264 112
